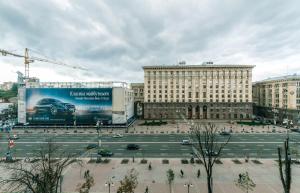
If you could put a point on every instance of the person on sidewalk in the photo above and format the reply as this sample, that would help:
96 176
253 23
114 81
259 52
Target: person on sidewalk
181 172
147 189
198 173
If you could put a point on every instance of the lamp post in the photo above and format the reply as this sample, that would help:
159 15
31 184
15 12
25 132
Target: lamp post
178 113
188 185
109 183
99 141
286 108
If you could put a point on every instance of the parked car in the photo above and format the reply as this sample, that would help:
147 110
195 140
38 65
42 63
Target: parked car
133 147
186 142
105 153
53 107
118 135
92 146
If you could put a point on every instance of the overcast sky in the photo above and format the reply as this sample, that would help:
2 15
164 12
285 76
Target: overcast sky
113 39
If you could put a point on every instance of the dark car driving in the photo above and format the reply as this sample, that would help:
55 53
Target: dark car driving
133 147
105 153
53 107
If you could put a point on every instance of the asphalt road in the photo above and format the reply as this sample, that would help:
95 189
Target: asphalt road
152 145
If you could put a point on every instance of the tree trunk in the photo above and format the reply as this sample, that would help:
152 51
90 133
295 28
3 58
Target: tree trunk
209 184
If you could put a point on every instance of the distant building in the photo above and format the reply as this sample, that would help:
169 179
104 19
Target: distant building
6 85
278 98
138 94
207 91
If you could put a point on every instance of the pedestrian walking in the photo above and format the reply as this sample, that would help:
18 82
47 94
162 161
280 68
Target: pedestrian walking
198 173
147 189
132 158
181 172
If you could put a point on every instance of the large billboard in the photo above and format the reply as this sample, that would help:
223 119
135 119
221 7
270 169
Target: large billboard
68 105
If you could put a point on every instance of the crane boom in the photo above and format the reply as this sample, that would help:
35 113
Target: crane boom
28 60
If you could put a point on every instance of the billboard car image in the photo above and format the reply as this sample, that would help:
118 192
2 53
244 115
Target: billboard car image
68 105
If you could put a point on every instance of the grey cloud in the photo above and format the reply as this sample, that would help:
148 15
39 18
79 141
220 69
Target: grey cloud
115 38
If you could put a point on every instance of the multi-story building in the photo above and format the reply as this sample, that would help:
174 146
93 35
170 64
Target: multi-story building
138 94
278 98
207 91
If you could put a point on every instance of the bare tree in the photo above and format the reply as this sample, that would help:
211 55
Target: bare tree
42 175
286 171
245 183
129 183
170 176
88 184
208 147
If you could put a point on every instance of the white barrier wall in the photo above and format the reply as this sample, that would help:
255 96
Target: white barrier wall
21 105
122 105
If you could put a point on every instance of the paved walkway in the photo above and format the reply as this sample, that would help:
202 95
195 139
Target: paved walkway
173 126
265 175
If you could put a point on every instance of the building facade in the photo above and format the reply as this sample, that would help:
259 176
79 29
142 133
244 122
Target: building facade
138 94
278 98
207 91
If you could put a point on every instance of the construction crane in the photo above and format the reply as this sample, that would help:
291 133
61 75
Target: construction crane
28 60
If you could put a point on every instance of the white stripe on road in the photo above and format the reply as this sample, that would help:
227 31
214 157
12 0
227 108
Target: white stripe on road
126 142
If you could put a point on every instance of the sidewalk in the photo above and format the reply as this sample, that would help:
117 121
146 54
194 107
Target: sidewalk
266 176
172 127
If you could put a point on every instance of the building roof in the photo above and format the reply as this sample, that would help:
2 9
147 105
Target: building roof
76 84
204 65
280 78
136 83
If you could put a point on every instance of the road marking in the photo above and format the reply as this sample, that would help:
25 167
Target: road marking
140 142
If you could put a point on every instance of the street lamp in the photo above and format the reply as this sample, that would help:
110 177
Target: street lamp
109 184
188 185
178 113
